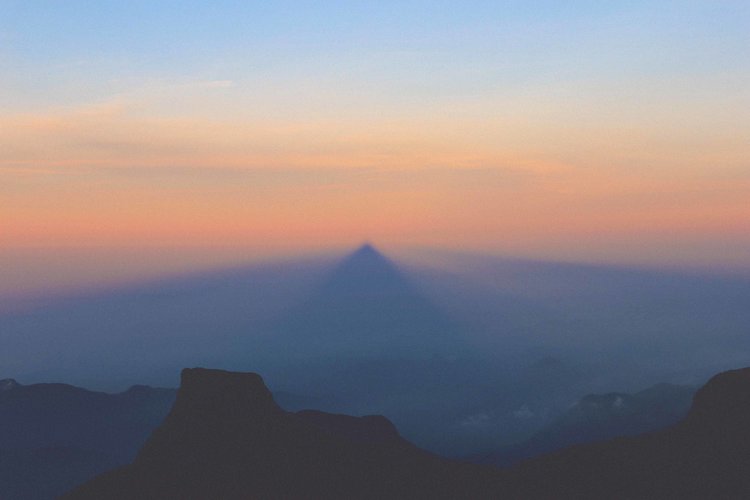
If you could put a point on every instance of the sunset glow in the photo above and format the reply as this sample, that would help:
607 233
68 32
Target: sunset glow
479 127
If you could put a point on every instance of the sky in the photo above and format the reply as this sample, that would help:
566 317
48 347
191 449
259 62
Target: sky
142 136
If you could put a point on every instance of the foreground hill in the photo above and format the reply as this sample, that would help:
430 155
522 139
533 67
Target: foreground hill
226 438
706 455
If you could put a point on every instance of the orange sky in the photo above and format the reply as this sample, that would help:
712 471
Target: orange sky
611 135
106 176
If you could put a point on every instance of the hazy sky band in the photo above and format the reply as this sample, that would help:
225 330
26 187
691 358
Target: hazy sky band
611 131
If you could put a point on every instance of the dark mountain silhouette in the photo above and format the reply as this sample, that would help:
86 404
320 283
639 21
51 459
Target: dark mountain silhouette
53 436
226 438
706 455
621 328
599 417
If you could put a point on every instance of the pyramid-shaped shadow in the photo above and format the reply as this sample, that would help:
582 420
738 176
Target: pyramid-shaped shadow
366 307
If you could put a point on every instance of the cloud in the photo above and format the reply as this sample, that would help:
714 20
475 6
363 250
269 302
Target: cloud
115 134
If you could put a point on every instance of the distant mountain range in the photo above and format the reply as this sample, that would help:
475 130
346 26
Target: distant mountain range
225 437
53 436
462 361
705 455
599 417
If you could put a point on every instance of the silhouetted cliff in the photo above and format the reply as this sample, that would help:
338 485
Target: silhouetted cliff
226 438
707 455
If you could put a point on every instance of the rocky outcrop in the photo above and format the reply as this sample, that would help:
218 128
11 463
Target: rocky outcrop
227 438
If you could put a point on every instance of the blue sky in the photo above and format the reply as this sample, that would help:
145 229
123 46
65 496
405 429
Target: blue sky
58 52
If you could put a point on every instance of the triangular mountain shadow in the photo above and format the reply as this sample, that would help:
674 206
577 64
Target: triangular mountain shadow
367 308
365 272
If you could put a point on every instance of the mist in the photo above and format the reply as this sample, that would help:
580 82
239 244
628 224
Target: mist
461 353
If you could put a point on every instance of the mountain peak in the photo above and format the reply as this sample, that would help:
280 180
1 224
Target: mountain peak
199 385
724 402
212 407
216 445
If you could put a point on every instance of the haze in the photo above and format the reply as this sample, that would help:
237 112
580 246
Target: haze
503 228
